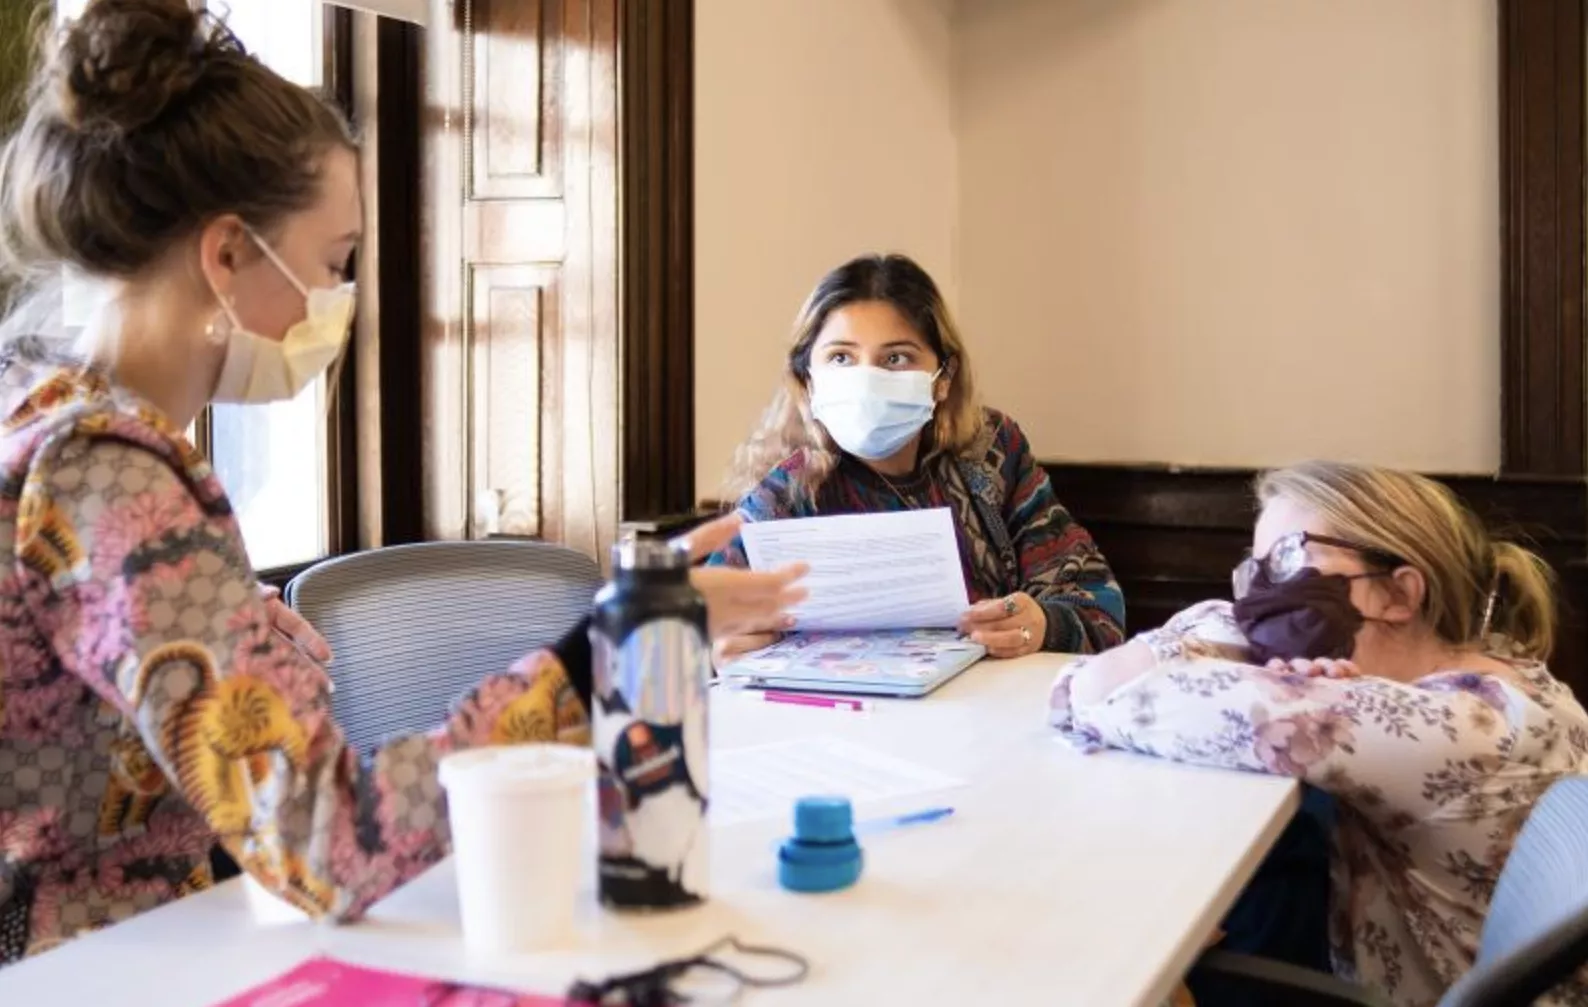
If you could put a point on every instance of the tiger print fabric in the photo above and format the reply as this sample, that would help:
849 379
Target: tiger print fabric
148 710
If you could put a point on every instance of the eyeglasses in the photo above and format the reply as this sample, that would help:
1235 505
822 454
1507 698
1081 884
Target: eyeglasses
1288 558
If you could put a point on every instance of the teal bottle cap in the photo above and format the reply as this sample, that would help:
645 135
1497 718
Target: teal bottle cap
822 855
824 819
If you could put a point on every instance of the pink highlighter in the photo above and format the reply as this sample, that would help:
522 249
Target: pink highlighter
812 699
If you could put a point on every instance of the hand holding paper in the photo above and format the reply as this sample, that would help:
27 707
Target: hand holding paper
741 601
898 570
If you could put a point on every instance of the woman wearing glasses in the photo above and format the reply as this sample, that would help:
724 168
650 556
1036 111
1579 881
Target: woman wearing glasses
1383 648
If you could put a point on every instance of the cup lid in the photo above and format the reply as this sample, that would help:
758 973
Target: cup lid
519 767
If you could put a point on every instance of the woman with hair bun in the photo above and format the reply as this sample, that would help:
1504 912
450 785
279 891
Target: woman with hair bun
154 699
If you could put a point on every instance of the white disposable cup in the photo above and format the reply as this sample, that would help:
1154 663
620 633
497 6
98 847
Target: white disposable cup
518 827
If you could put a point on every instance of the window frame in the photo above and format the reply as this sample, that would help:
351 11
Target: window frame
341 435
377 475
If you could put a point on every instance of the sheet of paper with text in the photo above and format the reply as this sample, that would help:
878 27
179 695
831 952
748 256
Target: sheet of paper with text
761 782
898 570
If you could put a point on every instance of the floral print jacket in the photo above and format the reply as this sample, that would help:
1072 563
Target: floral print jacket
147 708
1433 779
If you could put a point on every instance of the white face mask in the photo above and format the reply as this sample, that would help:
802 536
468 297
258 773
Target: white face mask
870 412
257 369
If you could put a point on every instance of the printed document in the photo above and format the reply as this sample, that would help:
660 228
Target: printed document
763 781
898 570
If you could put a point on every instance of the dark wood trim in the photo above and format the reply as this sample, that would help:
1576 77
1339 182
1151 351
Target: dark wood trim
400 105
656 108
1173 535
278 577
341 446
1543 78
204 432
341 436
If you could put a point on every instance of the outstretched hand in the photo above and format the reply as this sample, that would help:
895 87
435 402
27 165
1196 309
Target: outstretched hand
741 602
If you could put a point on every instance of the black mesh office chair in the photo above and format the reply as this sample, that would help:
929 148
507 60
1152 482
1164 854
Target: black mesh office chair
1535 936
414 627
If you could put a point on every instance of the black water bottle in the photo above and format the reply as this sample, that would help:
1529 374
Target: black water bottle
651 663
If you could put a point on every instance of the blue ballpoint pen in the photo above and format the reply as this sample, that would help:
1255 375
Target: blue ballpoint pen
901 821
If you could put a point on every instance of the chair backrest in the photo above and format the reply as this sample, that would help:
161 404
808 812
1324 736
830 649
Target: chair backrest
1536 933
414 627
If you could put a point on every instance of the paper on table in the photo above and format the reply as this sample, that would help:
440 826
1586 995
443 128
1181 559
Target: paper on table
764 781
898 570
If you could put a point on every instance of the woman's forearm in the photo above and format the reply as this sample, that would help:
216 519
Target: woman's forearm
1095 679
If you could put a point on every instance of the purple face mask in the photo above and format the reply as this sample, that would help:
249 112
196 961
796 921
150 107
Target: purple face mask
1309 615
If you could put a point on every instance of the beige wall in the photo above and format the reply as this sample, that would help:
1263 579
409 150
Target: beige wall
822 130
1193 231
1235 231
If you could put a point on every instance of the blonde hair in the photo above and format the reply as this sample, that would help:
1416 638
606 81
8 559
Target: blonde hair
788 428
1421 522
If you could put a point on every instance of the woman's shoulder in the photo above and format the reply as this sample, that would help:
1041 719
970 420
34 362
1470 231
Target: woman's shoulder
777 494
1501 664
999 453
1533 680
998 422
1542 710
999 439
782 475
65 412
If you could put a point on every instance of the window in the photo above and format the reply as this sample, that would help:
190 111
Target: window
272 459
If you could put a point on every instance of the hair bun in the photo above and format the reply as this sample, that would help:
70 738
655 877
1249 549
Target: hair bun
121 63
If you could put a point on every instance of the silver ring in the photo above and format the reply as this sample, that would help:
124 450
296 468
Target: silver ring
1025 634
1010 608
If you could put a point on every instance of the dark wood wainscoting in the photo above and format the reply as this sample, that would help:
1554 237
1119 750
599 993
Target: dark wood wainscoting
1173 535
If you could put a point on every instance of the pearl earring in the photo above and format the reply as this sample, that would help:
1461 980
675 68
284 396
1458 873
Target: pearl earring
220 327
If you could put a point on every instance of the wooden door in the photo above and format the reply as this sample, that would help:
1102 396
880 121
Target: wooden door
521 392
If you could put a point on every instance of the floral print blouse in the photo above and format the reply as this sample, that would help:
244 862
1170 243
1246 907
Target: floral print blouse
1433 779
148 709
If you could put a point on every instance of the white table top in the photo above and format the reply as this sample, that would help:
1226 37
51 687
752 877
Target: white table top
1079 879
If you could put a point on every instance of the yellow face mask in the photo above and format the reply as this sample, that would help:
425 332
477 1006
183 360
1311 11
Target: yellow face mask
258 370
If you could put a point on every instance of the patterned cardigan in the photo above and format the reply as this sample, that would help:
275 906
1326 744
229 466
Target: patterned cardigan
147 708
1433 779
1038 549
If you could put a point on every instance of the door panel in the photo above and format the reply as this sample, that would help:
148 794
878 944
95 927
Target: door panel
522 395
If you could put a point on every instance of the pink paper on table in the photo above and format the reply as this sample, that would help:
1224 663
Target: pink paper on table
325 982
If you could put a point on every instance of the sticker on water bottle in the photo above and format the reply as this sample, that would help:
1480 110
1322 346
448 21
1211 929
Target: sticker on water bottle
651 696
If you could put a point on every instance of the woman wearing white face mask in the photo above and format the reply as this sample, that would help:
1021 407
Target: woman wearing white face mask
878 412
150 703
